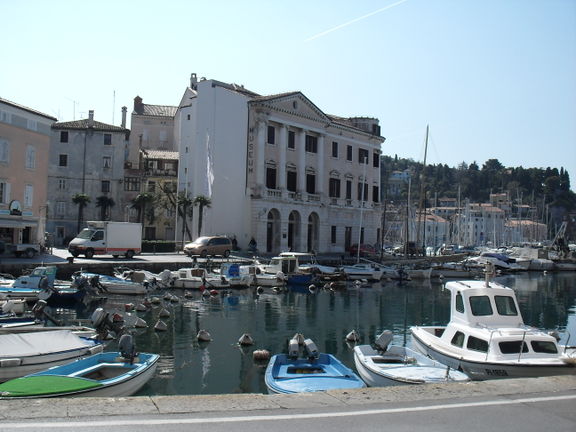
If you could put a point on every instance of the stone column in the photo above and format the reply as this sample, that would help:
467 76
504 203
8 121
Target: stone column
281 171
260 164
320 168
302 162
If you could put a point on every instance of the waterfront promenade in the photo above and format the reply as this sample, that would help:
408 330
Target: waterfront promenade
531 404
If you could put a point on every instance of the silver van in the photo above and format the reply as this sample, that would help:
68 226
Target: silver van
209 245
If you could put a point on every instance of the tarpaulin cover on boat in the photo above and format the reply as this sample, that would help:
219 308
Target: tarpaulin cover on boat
38 343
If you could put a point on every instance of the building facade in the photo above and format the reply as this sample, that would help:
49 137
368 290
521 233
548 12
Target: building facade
24 149
293 177
86 157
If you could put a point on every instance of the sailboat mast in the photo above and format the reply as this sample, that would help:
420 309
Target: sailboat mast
422 192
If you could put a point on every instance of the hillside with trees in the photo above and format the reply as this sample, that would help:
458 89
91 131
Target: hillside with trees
545 189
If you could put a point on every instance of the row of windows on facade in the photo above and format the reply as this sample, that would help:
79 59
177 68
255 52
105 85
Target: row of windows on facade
131 184
7 117
334 185
107 163
30 159
64 137
5 194
311 146
62 206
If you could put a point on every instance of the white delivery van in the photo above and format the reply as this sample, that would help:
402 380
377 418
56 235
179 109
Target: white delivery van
107 238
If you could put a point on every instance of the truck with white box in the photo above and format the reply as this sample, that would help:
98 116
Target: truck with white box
108 238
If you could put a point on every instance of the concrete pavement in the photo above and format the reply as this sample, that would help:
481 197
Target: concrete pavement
14 410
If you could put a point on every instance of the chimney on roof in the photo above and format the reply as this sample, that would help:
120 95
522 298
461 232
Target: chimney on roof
138 105
193 81
91 118
124 109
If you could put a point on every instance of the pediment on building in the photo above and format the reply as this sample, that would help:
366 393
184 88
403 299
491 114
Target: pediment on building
294 103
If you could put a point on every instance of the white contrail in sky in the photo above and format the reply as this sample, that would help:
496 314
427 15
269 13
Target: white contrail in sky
353 21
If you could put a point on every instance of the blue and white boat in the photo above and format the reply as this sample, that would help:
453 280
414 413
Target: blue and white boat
109 374
115 285
313 372
28 286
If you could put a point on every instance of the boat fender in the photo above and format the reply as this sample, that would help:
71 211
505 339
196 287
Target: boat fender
10 362
246 340
293 348
140 323
213 292
203 336
261 355
259 290
164 313
141 307
160 326
353 336
128 307
311 349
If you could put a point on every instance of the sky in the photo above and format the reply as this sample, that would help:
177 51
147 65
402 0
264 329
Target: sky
493 79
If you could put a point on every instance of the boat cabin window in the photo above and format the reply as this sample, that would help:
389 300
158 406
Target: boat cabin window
477 344
505 305
545 347
481 306
459 303
512 347
458 339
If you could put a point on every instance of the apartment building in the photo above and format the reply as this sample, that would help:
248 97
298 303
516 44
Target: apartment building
24 148
86 157
278 169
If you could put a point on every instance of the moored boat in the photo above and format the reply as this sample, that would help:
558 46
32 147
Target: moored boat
25 353
388 365
109 374
290 373
486 337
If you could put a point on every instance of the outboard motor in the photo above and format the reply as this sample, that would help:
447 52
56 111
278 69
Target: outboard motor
384 340
127 348
311 349
293 348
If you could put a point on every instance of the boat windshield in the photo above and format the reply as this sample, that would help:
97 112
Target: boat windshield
480 306
85 234
505 305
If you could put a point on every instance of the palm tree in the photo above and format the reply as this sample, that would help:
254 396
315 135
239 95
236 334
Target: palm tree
105 203
185 209
202 201
140 202
82 200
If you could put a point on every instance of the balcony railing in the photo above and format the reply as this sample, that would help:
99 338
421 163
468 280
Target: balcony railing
313 197
274 193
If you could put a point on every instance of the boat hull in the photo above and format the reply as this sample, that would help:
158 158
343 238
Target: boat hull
479 371
101 375
285 375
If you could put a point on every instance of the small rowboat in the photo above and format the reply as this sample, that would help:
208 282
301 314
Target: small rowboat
286 373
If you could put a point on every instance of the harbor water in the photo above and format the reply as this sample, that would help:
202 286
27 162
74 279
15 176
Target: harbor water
221 366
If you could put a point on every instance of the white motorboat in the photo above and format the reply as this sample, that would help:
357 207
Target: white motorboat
25 353
116 285
486 337
389 365
368 271
257 277
198 278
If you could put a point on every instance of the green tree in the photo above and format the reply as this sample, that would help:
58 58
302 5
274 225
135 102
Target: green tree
202 202
141 203
105 203
81 200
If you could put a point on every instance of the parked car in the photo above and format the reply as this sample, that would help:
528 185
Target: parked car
209 245
365 250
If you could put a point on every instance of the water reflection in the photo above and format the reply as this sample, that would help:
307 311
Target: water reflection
272 318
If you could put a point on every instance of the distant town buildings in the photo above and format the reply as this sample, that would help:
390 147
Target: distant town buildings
226 160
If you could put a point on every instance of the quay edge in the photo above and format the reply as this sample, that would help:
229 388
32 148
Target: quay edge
226 403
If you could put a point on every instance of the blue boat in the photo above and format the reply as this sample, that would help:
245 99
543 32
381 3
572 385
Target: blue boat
313 372
109 374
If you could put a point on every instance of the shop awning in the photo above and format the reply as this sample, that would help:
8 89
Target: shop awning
14 223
